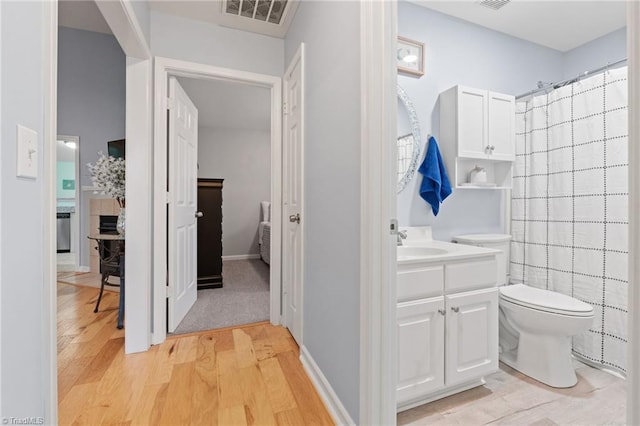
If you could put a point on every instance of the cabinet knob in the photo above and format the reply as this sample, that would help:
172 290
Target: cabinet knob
442 312
199 214
455 309
492 148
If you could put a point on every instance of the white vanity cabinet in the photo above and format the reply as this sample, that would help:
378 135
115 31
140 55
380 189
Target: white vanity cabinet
420 347
447 328
477 127
472 335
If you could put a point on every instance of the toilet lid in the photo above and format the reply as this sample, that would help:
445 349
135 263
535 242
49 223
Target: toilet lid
545 300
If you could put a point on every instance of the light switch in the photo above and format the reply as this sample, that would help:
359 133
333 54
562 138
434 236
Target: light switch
27 152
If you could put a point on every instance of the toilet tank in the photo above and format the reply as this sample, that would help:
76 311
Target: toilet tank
500 242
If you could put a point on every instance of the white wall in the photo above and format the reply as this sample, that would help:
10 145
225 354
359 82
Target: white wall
458 52
242 158
23 386
91 101
197 41
595 54
143 14
331 33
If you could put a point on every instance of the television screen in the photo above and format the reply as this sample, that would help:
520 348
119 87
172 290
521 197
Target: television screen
116 148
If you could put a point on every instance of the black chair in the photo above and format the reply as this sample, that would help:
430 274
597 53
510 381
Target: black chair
109 265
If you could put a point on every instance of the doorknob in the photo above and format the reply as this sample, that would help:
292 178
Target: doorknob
295 218
199 214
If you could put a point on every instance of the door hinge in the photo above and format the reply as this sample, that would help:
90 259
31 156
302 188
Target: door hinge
168 198
168 291
171 103
285 109
393 227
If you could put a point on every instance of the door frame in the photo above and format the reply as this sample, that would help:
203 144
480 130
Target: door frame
378 207
299 56
75 226
165 67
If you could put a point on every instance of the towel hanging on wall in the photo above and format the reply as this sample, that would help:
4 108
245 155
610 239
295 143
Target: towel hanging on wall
435 185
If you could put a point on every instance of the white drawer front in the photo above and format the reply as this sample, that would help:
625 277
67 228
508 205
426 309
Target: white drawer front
420 282
471 275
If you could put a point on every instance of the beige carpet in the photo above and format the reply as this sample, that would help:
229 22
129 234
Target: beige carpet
243 299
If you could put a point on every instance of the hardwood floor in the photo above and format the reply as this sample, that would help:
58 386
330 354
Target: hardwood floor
511 398
236 376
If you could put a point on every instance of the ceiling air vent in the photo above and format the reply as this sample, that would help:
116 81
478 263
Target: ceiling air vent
494 4
271 11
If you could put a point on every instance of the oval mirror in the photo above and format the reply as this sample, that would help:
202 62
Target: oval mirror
408 140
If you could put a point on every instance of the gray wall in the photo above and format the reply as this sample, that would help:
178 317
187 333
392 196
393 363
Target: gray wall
331 32
91 100
21 223
242 159
458 52
197 41
595 54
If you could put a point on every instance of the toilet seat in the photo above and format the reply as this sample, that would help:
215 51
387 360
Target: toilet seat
545 300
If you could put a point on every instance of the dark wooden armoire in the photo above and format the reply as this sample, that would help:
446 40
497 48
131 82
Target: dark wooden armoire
210 233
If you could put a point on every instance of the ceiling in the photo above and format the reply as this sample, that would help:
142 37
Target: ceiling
82 15
560 25
229 105
211 11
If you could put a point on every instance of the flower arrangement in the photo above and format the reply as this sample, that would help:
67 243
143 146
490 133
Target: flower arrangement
108 174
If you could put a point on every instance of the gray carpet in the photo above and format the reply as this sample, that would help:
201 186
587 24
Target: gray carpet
243 299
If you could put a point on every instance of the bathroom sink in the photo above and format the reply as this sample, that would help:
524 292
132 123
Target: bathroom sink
415 252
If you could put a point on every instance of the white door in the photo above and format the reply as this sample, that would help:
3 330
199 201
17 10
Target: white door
420 336
472 122
182 235
292 197
472 335
502 134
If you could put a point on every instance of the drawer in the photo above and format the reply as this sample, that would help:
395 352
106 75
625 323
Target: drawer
420 282
471 275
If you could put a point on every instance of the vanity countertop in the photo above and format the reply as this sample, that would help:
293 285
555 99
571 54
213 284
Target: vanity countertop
65 209
439 251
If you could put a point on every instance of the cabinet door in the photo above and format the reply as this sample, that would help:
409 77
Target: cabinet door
420 348
471 335
472 122
501 126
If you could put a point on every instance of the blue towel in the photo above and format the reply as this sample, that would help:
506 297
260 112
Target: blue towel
435 182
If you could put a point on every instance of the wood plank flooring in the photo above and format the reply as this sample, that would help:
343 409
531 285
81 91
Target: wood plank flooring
511 398
247 375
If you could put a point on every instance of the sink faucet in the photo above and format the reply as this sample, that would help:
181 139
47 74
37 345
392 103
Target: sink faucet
402 235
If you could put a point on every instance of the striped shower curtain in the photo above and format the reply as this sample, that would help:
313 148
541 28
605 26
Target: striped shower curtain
569 205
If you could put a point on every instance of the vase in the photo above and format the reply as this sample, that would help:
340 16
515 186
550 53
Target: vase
121 221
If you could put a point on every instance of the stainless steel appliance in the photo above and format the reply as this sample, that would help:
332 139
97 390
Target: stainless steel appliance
63 228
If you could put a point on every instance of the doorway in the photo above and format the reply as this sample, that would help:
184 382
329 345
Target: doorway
166 69
233 204
68 201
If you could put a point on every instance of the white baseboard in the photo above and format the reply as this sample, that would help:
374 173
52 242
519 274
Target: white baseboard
241 257
327 394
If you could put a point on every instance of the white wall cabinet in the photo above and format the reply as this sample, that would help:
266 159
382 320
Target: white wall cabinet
477 127
446 343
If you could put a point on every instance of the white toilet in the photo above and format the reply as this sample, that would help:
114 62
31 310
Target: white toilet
536 325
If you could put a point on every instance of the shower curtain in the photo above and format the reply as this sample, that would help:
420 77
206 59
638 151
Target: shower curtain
569 205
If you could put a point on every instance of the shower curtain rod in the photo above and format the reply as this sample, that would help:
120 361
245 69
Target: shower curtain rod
571 80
